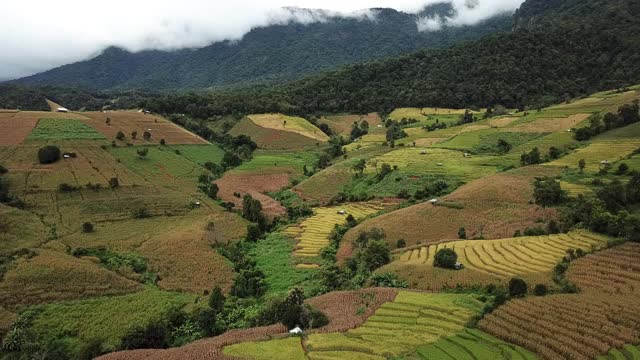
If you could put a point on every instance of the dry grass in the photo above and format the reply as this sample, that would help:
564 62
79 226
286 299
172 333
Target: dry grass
495 207
52 276
130 121
550 125
342 124
272 139
289 124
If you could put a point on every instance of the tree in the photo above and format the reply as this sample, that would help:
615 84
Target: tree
531 158
142 152
547 192
207 321
134 135
108 121
462 233
360 166
48 154
114 183
401 244
251 209
120 135
503 146
375 254
253 232
3 170
146 135
633 188
445 258
388 280
540 290
622 169
87 227
216 300
517 287
163 142
351 221
385 170
554 153
581 165
152 336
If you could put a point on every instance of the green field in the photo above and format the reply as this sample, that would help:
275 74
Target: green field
264 161
102 318
473 345
199 154
63 129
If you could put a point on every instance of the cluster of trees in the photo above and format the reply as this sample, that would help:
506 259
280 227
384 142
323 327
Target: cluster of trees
627 114
359 129
612 211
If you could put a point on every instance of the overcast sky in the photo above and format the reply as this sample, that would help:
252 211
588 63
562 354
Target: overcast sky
37 35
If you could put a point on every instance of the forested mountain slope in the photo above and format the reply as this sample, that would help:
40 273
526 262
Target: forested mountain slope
270 54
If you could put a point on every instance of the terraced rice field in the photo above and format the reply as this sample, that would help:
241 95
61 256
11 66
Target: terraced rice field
473 344
289 123
601 317
574 189
550 124
398 327
366 141
63 129
313 232
627 352
598 151
506 258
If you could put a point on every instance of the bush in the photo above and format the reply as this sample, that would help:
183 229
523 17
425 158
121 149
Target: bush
317 318
163 142
622 169
141 213
540 290
388 280
120 135
87 227
3 170
401 244
152 336
66 188
142 152
462 233
517 287
48 154
253 232
445 258
114 183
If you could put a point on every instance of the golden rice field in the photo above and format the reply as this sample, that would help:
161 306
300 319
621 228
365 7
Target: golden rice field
601 317
366 141
313 233
598 151
574 189
398 327
289 123
506 258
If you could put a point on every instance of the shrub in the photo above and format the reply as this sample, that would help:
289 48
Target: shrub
87 227
143 152
114 183
388 280
622 169
66 188
445 258
540 290
146 135
253 232
216 300
163 142
152 336
317 318
48 154
517 287
462 233
120 135
3 170
141 213
401 244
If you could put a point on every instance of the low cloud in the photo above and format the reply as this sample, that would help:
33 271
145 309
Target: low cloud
38 35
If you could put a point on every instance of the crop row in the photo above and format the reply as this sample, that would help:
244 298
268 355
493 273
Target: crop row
508 257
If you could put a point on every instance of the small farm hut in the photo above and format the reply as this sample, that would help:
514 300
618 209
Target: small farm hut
61 109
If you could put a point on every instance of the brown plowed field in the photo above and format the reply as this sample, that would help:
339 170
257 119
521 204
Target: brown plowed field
255 185
129 121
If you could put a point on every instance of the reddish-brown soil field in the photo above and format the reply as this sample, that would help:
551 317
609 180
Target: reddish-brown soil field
129 121
16 126
255 185
350 309
271 139
494 207
210 349
341 308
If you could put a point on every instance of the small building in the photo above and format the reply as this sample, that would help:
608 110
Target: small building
433 201
423 152
61 109
467 155
458 266
440 164
342 212
296 331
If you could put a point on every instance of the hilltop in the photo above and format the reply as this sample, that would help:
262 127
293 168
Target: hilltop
275 53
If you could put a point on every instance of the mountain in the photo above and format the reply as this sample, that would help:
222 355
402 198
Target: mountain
558 50
270 54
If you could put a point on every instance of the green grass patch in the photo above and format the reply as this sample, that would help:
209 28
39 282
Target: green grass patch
63 129
199 153
274 257
275 161
105 318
